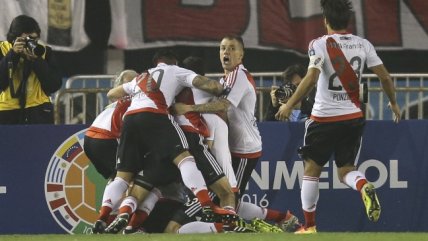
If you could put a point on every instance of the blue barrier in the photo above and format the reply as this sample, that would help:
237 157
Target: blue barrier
48 186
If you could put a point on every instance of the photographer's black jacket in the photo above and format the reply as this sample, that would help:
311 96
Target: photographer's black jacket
32 81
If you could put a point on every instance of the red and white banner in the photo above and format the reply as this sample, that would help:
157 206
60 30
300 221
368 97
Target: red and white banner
287 25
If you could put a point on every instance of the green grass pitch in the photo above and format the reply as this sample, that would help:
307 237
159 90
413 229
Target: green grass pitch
224 237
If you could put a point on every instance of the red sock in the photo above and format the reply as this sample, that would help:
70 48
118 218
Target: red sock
111 218
309 218
104 213
138 218
218 227
204 198
360 184
273 215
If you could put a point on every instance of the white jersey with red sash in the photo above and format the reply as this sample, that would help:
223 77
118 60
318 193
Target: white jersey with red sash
333 102
156 92
244 136
108 124
191 121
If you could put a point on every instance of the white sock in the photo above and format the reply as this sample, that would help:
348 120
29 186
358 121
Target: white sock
309 193
150 201
351 178
191 176
131 202
113 192
249 211
198 227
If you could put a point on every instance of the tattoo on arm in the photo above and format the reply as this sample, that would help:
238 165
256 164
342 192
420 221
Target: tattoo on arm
208 85
212 107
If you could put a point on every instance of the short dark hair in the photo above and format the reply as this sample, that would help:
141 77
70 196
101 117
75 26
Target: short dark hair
167 56
291 70
235 37
22 24
338 13
195 64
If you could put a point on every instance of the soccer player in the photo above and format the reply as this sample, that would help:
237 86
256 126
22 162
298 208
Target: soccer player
239 102
152 145
244 138
218 132
336 62
100 145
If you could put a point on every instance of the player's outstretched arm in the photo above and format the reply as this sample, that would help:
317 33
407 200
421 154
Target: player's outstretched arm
208 85
116 93
388 87
220 105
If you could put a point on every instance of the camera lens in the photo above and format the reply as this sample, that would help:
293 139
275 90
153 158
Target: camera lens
34 47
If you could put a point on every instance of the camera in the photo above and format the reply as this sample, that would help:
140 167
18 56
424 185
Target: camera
285 91
34 47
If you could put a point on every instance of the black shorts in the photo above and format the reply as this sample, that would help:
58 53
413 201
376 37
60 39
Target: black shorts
205 161
102 154
243 167
150 142
341 139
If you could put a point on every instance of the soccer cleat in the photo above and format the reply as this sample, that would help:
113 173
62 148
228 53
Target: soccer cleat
239 226
131 230
264 227
289 223
119 223
371 202
208 215
304 230
99 226
219 215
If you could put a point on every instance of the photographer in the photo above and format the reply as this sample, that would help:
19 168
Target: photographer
28 75
279 95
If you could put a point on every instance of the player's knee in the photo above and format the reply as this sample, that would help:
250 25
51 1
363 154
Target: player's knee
172 227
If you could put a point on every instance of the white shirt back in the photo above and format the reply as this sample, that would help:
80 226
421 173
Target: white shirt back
331 98
170 80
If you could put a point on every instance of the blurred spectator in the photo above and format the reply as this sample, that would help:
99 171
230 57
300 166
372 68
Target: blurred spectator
28 75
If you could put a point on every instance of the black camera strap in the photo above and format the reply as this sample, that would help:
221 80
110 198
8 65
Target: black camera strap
21 91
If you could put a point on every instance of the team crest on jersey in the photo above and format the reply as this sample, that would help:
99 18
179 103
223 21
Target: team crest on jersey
73 188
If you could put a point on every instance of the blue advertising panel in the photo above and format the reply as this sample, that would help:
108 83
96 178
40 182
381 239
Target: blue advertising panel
393 157
47 184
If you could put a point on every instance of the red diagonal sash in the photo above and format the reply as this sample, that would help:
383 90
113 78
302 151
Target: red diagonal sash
344 71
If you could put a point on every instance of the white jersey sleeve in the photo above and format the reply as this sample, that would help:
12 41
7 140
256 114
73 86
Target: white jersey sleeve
372 57
185 76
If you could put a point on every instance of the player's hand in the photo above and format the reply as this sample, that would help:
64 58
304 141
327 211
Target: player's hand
179 109
19 45
29 55
396 110
283 113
